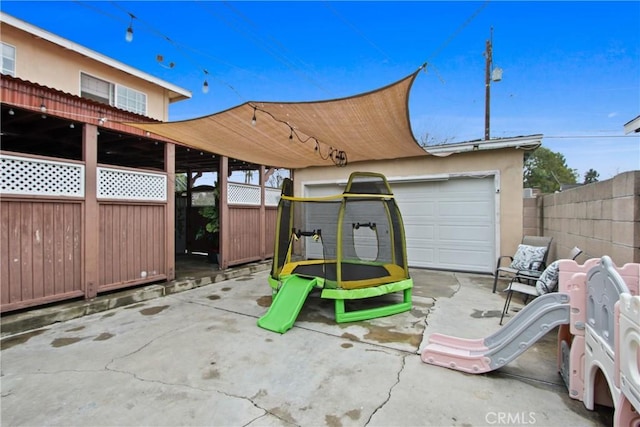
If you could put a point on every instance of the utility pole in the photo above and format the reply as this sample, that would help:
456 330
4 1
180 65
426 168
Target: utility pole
489 75
487 87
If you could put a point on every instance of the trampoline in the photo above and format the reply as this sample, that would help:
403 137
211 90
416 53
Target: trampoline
351 245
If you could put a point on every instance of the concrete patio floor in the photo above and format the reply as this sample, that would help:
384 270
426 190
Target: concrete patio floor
196 357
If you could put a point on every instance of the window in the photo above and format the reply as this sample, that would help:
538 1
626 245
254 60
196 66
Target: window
8 60
113 94
96 89
131 100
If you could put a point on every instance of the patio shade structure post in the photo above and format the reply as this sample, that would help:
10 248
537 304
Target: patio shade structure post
223 212
170 210
263 214
91 214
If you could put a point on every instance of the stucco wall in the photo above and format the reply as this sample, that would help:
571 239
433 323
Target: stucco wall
602 218
506 164
48 64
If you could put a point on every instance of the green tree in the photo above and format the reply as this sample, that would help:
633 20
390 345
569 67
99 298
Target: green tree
428 140
591 176
547 170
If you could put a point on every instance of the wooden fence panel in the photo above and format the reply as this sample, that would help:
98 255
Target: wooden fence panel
132 241
270 230
41 252
244 234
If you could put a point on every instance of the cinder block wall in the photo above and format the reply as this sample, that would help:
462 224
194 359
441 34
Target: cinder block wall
530 217
602 218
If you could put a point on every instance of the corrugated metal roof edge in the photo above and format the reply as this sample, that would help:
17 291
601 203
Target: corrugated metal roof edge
528 142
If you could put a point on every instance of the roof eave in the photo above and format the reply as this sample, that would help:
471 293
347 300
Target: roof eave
176 93
529 142
633 126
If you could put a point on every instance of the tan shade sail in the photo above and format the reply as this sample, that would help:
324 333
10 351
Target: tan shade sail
370 126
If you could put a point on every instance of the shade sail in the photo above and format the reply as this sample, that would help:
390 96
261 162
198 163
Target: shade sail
370 126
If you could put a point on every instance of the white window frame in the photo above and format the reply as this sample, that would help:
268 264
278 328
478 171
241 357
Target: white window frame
121 96
110 96
10 72
131 100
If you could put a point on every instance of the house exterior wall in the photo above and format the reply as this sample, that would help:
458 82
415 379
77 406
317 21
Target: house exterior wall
505 163
50 65
602 218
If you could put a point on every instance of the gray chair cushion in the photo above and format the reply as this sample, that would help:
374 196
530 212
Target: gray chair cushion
548 281
528 257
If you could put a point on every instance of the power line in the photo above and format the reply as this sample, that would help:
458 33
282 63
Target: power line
458 30
591 136
357 31
271 49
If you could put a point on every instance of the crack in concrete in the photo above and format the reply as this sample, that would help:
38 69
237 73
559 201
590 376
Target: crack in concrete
188 386
404 363
204 304
266 411
435 301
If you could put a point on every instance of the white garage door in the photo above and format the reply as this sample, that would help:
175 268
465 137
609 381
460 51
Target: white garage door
448 224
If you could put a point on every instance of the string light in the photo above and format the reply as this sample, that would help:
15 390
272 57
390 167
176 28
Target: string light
338 157
160 59
43 107
11 112
205 86
129 34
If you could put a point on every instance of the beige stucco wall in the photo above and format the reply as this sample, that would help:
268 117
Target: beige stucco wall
506 164
48 64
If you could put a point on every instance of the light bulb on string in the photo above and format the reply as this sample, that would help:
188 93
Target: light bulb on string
129 34
253 120
205 85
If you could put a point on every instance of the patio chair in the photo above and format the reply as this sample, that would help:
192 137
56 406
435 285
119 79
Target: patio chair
530 259
533 287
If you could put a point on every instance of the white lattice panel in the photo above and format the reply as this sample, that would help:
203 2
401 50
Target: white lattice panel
131 185
25 176
272 196
242 194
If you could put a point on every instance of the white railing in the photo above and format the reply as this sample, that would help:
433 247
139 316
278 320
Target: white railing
125 184
247 194
272 196
36 177
243 194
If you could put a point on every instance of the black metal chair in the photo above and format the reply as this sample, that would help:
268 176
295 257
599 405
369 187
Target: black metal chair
532 286
534 266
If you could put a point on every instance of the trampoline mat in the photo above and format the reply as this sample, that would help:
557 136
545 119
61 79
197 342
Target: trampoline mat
350 272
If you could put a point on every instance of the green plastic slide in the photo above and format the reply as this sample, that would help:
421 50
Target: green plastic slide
287 303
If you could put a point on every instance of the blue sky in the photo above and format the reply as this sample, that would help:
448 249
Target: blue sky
571 70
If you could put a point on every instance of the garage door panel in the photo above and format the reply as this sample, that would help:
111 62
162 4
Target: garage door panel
468 235
461 219
474 260
473 210
448 224
423 231
423 257
418 211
